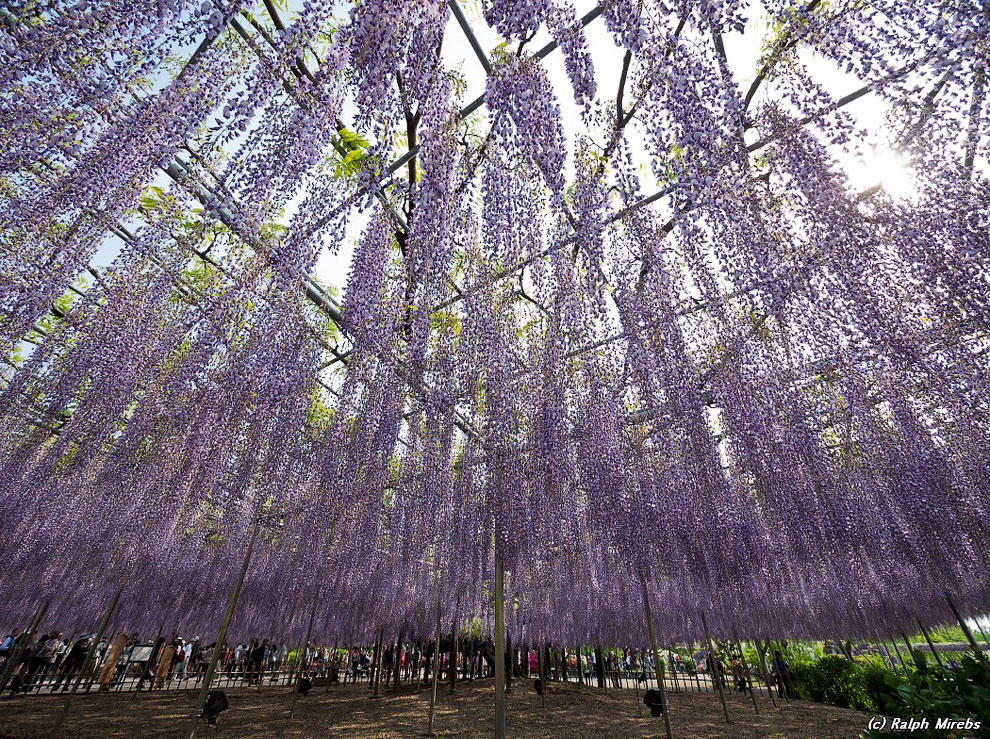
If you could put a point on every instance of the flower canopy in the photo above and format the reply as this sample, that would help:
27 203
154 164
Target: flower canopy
608 331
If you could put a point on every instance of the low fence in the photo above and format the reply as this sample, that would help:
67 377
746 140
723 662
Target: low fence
134 676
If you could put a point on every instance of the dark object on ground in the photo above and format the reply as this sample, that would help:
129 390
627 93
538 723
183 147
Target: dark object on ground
305 685
538 686
216 704
654 701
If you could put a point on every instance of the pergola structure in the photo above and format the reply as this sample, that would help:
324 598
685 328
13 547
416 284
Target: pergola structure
685 365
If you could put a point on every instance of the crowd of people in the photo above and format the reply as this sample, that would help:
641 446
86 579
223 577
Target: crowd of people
52 661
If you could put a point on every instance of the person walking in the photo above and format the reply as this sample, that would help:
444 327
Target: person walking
73 662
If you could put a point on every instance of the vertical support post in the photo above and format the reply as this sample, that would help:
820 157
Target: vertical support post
90 654
763 668
600 668
499 644
910 650
885 653
379 654
928 638
222 635
302 656
712 659
541 662
657 664
965 627
510 664
785 683
982 632
639 703
673 672
26 637
453 648
146 670
900 657
398 660
749 679
436 673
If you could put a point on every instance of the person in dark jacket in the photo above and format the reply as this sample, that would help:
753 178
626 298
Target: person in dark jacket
72 663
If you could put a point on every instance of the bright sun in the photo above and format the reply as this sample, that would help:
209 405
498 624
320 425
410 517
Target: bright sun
883 167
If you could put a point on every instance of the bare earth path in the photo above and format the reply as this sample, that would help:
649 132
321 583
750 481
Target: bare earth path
573 712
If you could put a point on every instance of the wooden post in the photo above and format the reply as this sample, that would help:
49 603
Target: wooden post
302 656
965 628
436 673
749 679
763 668
712 659
221 636
499 645
657 664
90 654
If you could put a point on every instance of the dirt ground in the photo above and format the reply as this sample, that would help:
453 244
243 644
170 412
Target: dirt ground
572 711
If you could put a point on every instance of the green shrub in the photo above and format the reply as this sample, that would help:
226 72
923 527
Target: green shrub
835 680
933 692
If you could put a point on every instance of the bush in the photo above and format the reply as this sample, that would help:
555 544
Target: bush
835 680
880 686
933 692
928 691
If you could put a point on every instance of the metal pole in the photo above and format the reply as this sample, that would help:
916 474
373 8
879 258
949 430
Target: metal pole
714 660
453 647
785 681
146 671
302 656
938 657
965 628
600 668
378 660
766 675
221 636
898 652
499 646
745 665
27 636
657 664
398 660
540 664
436 673
980 627
910 650
89 660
